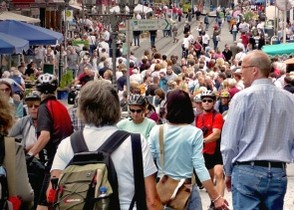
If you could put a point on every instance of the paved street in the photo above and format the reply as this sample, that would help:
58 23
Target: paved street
166 46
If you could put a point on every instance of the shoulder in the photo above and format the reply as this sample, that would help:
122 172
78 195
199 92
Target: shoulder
218 116
150 122
123 122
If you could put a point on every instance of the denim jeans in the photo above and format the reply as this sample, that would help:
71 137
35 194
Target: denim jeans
234 35
195 200
258 188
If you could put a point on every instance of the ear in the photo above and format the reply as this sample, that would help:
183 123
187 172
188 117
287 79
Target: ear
256 71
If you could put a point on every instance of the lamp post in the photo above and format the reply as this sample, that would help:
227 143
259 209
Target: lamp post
131 6
66 3
62 60
114 19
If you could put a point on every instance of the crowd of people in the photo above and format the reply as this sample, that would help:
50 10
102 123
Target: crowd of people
215 107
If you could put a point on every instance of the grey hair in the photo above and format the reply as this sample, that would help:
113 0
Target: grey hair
99 104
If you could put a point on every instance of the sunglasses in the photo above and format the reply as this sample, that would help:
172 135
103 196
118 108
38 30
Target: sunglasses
136 110
207 100
33 105
5 90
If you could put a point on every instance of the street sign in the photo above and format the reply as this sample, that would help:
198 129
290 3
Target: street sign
149 24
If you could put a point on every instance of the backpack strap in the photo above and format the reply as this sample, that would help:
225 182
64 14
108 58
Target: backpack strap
140 195
114 141
78 142
109 146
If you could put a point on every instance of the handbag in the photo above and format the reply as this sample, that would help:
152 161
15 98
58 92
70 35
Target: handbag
173 193
19 188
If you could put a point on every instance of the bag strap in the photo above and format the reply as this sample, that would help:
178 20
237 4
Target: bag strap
140 195
114 141
10 167
2 149
161 147
78 143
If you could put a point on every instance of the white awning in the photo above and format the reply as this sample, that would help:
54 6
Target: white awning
76 6
13 16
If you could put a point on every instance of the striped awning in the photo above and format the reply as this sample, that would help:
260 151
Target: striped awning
6 15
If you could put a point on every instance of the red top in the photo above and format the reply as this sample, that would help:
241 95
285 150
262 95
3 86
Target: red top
210 120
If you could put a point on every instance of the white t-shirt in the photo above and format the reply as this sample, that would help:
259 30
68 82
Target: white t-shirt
205 39
122 159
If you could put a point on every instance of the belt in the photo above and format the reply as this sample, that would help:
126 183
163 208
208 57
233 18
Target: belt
263 163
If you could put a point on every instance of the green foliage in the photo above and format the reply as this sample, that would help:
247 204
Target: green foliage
66 79
249 16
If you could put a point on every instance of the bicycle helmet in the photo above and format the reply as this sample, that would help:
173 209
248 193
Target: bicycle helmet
46 83
137 100
197 98
225 94
33 96
208 94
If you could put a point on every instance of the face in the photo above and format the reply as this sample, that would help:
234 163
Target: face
225 101
169 70
247 73
207 104
198 105
137 113
33 106
85 60
6 90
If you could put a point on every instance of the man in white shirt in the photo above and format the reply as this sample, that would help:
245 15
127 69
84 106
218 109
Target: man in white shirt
205 40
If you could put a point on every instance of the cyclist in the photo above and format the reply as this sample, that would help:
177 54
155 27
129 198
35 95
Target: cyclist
138 122
211 123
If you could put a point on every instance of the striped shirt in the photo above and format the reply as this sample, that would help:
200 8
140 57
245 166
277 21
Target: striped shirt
259 126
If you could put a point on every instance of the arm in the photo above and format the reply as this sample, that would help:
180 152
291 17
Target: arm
54 173
231 133
152 198
41 143
215 135
16 130
219 201
217 125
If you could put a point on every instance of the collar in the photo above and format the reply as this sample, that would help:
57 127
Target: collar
51 97
263 81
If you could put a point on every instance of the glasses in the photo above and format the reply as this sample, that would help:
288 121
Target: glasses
207 100
136 110
245 67
33 105
5 90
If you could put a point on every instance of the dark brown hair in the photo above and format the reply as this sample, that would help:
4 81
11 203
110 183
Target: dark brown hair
179 107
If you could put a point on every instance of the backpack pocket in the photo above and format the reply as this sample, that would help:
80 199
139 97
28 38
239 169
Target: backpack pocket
79 186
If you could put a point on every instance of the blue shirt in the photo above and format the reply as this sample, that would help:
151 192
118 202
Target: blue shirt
183 145
259 125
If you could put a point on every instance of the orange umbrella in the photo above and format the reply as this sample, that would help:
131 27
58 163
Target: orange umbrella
289 61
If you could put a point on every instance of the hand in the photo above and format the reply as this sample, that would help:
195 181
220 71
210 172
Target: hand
228 183
29 158
221 204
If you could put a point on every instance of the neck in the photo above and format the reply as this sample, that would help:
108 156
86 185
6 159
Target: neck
208 111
